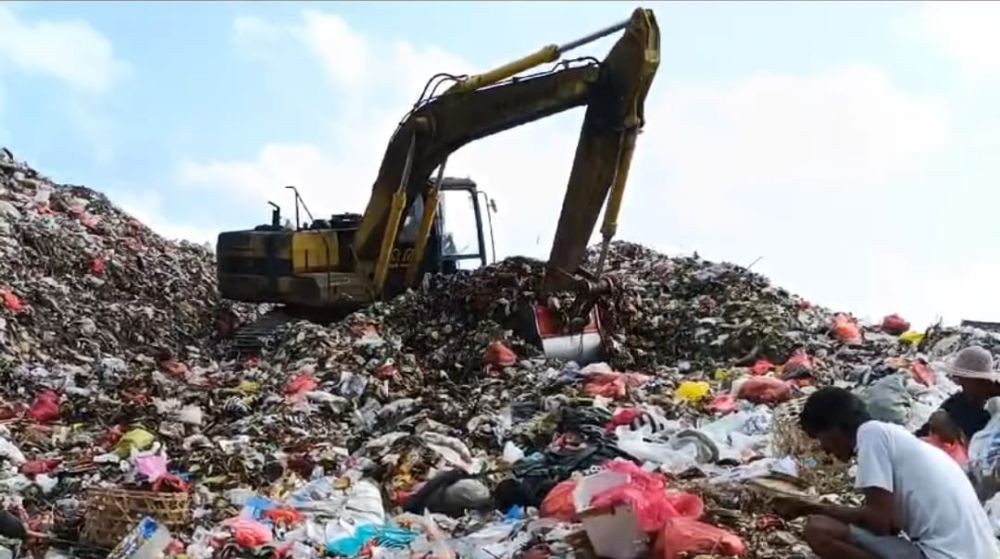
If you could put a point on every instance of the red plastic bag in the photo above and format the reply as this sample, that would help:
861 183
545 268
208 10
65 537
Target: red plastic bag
799 359
499 355
725 403
559 502
682 537
301 384
623 416
645 492
846 330
13 303
612 384
958 451
97 266
36 467
762 367
765 390
895 325
249 534
45 409
686 505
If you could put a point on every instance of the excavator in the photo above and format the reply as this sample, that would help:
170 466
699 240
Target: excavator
329 268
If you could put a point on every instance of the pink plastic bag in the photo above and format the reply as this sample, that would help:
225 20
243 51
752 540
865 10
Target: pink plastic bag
846 330
799 359
683 537
726 403
301 384
765 390
895 325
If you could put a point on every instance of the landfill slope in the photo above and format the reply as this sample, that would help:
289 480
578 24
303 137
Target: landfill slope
81 279
113 379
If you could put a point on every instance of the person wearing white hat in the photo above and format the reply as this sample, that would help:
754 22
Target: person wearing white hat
963 414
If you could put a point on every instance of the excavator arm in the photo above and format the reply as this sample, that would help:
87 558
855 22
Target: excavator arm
613 91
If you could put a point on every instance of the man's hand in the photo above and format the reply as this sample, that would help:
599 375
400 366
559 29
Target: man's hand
791 507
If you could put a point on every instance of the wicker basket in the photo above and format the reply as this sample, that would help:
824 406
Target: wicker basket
111 513
788 439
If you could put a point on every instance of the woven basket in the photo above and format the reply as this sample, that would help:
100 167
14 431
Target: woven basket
111 513
788 439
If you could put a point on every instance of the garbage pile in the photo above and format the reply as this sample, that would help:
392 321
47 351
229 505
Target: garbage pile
425 426
80 279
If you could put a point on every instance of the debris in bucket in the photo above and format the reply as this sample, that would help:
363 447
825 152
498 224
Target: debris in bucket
420 426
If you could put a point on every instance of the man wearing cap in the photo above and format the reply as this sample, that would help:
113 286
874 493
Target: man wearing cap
963 414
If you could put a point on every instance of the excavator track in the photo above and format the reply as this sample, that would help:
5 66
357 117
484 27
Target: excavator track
257 336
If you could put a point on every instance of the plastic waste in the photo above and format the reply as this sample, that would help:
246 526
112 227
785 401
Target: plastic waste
724 403
762 367
846 330
894 324
645 492
765 390
248 533
682 537
992 506
511 453
558 503
611 384
911 337
984 453
923 373
301 384
384 536
692 392
13 303
888 399
152 467
137 439
664 455
499 355
798 360
45 409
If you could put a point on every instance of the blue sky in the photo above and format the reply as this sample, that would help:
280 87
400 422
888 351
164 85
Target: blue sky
850 145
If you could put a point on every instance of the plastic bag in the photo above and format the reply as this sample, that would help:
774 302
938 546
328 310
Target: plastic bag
984 453
894 325
45 409
923 373
691 392
13 303
799 360
499 355
762 367
888 400
559 502
846 329
725 403
955 449
664 455
682 537
612 384
765 390
645 493
249 534
301 384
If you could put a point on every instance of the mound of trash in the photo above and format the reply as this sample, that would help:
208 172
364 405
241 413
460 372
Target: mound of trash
422 426
81 280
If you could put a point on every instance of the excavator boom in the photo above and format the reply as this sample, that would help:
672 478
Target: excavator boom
613 91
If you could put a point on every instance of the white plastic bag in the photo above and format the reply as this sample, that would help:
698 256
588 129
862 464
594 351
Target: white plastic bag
984 453
668 458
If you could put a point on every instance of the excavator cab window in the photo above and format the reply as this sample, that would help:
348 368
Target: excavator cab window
461 228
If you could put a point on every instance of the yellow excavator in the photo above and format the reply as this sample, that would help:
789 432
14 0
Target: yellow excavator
335 266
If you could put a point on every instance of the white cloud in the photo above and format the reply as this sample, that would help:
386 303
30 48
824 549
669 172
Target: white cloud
71 51
767 139
967 32
766 165
147 207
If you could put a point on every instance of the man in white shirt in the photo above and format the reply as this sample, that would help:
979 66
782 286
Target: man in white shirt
919 503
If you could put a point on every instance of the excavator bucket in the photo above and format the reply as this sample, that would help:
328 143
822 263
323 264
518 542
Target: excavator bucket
584 345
